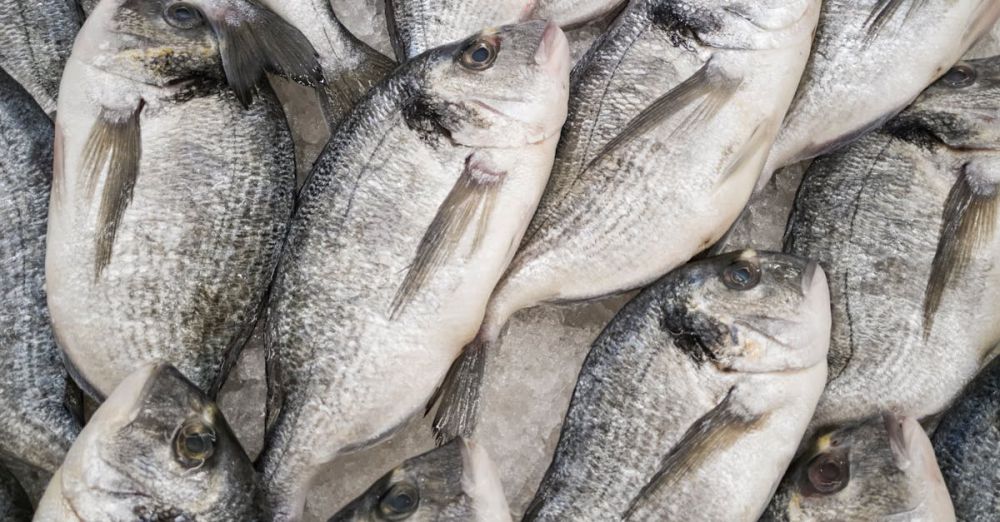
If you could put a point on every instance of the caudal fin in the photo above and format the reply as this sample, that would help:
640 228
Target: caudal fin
459 396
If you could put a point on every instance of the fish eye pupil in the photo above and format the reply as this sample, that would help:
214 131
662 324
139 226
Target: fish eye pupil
399 502
194 443
183 16
741 275
480 55
960 76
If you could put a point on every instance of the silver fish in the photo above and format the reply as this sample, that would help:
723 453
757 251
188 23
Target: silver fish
703 382
871 58
36 38
404 227
967 444
157 449
418 25
906 223
14 503
35 428
350 67
456 482
174 179
671 116
883 470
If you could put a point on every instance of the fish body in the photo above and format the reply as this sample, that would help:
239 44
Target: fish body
456 482
157 449
671 114
570 13
418 25
36 428
406 223
350 67
883 469
967 444
36 38
905 222
702 384
14 503
173 186
869 61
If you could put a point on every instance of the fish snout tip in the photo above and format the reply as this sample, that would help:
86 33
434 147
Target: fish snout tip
553 49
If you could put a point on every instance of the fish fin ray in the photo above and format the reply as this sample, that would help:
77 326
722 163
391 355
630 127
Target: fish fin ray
705 84
460 393
469 200
718 428
968 221
114 142
882 13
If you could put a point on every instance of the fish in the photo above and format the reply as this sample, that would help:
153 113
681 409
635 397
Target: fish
173 186
36 38
456 482
36 427
406 223
870 60
905 223
705 380
881 469
671 115
14 503
350 67
157 449
418 25
967 445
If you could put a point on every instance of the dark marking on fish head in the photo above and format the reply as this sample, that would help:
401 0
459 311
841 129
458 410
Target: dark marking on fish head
873 471
506 87
161 437
961 110
173 43
425 487
748 311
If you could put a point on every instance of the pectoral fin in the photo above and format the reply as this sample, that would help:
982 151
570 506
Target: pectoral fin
714 432
114 146
968 222
469 204
707 90
883 12
460 393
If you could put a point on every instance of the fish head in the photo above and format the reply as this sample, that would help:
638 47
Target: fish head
750 311
455 482
507 87
961 110
172 43
884 469
158 446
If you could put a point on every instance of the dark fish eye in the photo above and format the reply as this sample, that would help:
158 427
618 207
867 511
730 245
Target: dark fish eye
828 473
741 275
479 55
183 16
194 443
399 502
959 76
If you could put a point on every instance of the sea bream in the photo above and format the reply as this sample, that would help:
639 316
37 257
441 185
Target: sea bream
36 38
906 224
157 450
967 444
871 58
671 115
173 185
407 221
881 470
36 428
456 482
692 402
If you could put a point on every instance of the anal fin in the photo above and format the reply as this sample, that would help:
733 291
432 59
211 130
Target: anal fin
459 396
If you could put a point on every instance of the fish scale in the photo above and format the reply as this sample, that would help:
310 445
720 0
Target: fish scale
418 25
36 38
877 216
37 429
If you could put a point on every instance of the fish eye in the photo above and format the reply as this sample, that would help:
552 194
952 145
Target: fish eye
741 275
183 15
194 443
959 76
828 473
479 55
399 502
